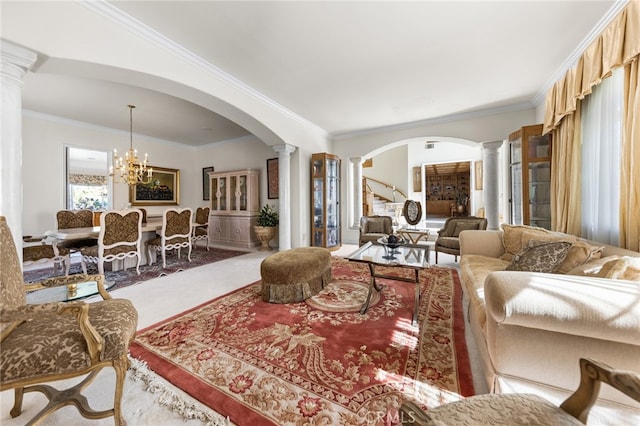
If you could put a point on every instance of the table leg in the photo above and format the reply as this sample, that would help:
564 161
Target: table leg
372 285
417 301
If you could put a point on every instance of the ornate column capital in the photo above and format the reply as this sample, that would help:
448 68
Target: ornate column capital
492 146
16 61
285 149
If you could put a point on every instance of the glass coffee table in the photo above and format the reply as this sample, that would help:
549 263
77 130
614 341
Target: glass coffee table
414 257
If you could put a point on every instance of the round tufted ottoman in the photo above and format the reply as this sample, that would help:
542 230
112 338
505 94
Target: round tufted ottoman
295 275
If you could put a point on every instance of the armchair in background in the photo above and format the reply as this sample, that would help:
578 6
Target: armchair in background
374 227
448 240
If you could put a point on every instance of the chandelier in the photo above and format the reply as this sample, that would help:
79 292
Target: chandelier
129 169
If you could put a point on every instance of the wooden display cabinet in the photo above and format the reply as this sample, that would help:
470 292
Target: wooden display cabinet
325 201
235 206
530 172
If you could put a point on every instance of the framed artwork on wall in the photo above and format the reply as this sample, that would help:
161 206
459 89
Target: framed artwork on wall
478 174
163 190
272 178
417 179
205 182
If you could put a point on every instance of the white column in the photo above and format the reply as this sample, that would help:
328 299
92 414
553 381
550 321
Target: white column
491 174
16 61
356 188
284 194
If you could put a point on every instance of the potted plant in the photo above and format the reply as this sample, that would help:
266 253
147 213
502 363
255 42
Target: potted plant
461 200
265 228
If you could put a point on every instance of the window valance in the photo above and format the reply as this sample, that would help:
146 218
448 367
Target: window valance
617 45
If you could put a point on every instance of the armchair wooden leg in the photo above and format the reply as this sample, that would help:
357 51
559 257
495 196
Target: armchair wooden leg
17 402
72 396
436 257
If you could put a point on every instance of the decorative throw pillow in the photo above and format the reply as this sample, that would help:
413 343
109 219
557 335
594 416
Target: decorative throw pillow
540 256
593 266
512 238
464 226
579 253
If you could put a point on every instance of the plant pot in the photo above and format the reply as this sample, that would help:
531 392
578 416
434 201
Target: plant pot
265 234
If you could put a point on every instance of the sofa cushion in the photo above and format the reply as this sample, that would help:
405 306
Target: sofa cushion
540 256
475 268
624 268
464 226
512 238
579 253
592 267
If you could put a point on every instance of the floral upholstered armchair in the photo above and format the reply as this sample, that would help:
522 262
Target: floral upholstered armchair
507 409
53 341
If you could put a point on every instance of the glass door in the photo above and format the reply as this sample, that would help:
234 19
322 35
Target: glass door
515 167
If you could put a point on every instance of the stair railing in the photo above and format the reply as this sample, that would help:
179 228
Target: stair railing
383 191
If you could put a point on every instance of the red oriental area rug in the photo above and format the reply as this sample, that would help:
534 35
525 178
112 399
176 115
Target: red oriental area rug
319 361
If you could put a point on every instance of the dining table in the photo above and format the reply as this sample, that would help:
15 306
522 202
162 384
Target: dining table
149 231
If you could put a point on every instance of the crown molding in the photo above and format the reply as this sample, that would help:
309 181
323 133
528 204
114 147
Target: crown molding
578 51
431 121
111 12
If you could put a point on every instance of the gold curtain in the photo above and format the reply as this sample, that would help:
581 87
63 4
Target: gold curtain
565 185
618 45
630 170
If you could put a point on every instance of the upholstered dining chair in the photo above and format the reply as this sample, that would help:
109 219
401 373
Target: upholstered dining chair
175 234
201 228
448 240
47 254
48 342
120 238
68 219
502 409
374 227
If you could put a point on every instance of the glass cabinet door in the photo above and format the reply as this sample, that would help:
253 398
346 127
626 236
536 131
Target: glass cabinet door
515 167
540 194
215 201
223 193
325 202
233 192
333 235
242 192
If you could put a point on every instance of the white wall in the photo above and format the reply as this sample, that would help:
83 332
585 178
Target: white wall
43 165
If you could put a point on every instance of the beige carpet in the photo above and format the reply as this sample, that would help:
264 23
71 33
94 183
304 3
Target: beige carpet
156 300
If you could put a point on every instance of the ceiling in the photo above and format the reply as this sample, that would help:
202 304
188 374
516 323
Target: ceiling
344 66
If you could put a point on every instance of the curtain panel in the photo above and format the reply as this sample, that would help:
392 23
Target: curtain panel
617 45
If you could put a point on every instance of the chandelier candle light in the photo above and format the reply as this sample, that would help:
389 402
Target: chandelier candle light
130 170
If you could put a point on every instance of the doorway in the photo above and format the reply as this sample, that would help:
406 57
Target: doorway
447 189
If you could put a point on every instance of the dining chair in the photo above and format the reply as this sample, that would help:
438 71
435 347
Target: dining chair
46 254
68 219
175 234
49 342
120 238
201 228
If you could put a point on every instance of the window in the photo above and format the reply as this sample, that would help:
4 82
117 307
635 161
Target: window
601 139
87 179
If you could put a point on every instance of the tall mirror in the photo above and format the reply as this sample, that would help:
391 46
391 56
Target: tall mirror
87 179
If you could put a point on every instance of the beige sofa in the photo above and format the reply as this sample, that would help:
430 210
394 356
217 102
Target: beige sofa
531 327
